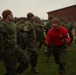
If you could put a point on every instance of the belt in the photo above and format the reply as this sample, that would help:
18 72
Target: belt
59 46
63 46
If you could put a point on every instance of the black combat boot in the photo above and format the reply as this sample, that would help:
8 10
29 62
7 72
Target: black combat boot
33 70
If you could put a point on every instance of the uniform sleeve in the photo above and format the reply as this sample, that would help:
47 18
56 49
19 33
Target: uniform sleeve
48 38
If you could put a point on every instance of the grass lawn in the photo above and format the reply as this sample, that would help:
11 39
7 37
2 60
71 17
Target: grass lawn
51 68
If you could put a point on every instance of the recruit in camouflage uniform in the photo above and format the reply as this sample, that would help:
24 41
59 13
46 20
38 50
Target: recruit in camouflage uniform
31 44
47 27
70 28
40 32
11 53
64 23
21 36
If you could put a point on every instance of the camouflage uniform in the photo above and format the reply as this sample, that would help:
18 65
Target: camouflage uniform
21 36
40 34
60 57
70 28
11 53
47 26
64 23
31 44
48 53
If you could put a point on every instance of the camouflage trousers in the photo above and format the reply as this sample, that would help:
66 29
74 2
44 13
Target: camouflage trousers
49 51
59 53
32 48
11 56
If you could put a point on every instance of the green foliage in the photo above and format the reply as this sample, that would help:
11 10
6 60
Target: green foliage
51 68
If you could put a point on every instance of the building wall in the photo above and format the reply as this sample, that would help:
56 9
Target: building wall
68 12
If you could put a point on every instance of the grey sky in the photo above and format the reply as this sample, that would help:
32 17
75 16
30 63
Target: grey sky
20 8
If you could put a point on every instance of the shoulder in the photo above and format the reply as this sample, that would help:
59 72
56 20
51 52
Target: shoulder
2 24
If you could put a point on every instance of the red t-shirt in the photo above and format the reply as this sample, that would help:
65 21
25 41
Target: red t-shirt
56 36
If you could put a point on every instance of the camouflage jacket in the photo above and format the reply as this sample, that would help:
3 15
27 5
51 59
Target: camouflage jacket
9 33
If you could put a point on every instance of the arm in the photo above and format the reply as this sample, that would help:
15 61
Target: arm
27 27
66 38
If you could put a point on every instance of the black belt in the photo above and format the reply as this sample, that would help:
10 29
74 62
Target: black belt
59 46
62 46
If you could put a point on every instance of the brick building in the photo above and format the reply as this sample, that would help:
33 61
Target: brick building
67 12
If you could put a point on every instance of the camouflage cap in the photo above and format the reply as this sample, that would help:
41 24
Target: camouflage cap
37 19
29 15
50 17
5 13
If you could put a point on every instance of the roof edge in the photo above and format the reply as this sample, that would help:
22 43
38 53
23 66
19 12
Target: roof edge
62 8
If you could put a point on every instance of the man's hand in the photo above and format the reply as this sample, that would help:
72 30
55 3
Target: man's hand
64 41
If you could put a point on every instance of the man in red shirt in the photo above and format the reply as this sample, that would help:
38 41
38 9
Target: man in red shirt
58 36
